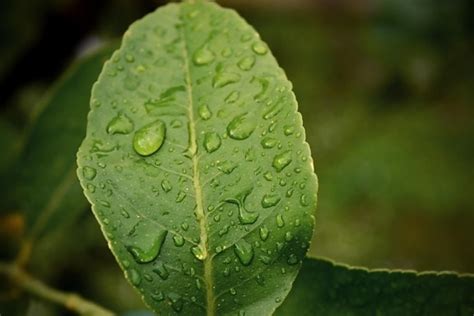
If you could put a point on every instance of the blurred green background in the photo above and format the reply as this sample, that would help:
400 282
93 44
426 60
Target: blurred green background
386 89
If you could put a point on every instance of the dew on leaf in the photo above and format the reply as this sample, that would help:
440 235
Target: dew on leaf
149 138
120 124
203 56
178 240
292 259
199 253
244 251
148 244
160 296
246 63
264 232
269 142
241 127
166 185
282 160
232 97
280 221
224 78
161 271
270 200
134 277
245 217
212 141
259 48
89 173
180 197
204 112
176 302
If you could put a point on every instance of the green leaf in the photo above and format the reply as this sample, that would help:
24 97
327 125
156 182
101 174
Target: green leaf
196 164
327 288
42 182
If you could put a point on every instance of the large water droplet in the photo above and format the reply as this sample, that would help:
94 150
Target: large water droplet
149 138
204 112
264 232
147 246
244 251
245 217
270 200
212 141
203 56
282 160
241 127
246 63
222 79
161 271
121 124
89 173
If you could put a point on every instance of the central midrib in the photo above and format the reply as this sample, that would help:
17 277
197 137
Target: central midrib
203 244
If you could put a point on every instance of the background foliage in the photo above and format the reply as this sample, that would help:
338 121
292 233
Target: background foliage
385 92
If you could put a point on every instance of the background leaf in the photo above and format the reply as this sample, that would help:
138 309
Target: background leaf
196 166
327 288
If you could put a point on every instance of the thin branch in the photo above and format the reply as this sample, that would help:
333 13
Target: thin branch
71 301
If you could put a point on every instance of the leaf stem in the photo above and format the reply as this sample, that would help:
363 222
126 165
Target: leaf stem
71 301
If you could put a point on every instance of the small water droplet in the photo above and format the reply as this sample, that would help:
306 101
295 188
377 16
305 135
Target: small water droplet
288 130
280 221
199 253
134 277
120 124
149 138
232 291
246 63
245 217
244 251
178 240
292 259
176 302
288 236
270 200
89 173
282 160
264 232
90 187
259 48
129 58
180 197
161 271
204 112
212 141
203 56
166 185
147 252
160 296
304 200
269 142
241 127
232 97
222 79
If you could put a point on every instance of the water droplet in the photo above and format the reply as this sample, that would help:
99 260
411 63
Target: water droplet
203 56
259 48
268 176
232 97
176 302
280 221
222 79
161 271
288 236
89 173
226 166
166 185
129 58
269 142
166 98
90 187
232 291
244 251
149 248
270 200
199 253
149 138
120 124
264 232
134 277
241 127
304 200
131 83
185 226
204 112
245 217
246 63
178 240
288 130
160 296
282 160
180 197
292 259
212 141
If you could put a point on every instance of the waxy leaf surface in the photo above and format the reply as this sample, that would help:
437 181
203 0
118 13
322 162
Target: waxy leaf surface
327 288
196 165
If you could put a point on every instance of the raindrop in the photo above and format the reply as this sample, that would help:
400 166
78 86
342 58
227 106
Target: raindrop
149 138
280 221
292 259
180 197
244 252
269 142
226 166
134 277
270 200
203 56
176 302
288 130
204 112
304 200
90 187
282 160
89 173
178 240
160 296
246 63
259 48
222 79
161 271
199 253
232 97
166 185
245 217
212 141
241 127
121 124
264 232
288 236
150 247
